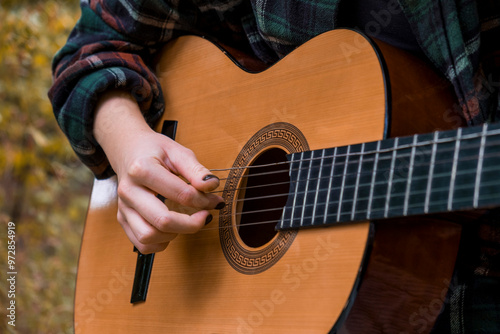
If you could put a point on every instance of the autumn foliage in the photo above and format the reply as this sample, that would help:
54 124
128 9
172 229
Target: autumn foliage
43 187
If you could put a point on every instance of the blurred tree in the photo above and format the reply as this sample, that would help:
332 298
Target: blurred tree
9 4
43 187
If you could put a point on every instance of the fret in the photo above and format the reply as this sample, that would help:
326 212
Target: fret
420 174
342 187
431 172
454 170
312 183
318 189
330 183
364 185
391 176
308 180
428 173
442 172
479 166
374 174
299 191
380 186
465 178
410 174
289 210
399 179
323 186
349 186
358 176
489 193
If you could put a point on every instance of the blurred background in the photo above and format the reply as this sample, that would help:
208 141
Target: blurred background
44 189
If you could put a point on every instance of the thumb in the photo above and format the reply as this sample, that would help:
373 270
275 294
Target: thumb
183 161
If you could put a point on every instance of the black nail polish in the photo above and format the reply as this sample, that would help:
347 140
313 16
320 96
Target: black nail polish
209 219
220 206
210 176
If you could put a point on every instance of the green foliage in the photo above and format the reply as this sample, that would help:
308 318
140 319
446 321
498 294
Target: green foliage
43 187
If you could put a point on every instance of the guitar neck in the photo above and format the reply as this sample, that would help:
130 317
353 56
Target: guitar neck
430 173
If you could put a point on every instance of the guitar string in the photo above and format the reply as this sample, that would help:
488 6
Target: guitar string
394 196
342 163
371 184
387 150
423 177
355 174
440 203
473 157
401 147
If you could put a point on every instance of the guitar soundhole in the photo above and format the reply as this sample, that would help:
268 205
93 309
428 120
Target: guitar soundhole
258 195
263 196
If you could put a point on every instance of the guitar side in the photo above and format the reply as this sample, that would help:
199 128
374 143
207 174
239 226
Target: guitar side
318 93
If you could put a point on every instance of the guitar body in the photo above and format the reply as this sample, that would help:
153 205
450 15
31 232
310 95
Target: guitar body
237 277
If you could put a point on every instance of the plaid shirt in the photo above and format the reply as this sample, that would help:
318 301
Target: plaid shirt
113 43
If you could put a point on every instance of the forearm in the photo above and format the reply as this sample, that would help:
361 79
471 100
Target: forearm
118 119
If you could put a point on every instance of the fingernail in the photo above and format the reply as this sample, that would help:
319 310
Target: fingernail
209 219
220 206
210 176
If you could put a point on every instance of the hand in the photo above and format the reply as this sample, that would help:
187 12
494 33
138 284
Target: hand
148 163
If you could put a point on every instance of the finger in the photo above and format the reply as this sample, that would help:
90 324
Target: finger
181 223
184 162
144 232
156 213
156 177
143 248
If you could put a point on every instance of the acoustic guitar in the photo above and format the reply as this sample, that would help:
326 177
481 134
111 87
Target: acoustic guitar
342 198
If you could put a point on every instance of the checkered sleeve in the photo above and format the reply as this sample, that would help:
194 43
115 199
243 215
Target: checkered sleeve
112 47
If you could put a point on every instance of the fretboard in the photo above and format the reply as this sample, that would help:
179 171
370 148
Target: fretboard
428 173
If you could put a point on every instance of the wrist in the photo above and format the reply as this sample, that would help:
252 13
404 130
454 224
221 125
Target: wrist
118 120
116 114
